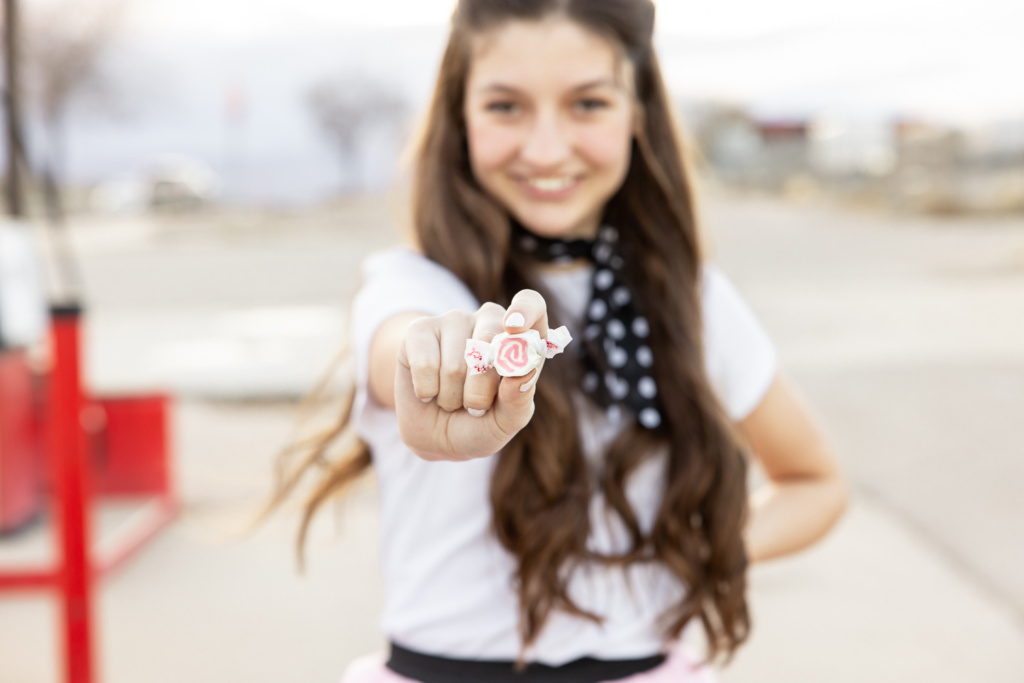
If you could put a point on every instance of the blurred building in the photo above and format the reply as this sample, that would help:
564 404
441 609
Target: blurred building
745 152
904 164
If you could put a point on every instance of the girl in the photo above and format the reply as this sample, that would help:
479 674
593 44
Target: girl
571 524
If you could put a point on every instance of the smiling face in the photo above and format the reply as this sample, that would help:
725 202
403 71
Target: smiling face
549 120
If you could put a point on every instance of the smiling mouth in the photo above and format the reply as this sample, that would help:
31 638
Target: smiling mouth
549 186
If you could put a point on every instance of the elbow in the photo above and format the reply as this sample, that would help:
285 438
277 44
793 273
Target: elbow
834 492
839 500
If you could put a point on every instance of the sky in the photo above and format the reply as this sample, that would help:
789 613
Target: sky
235 19
952 62
955 60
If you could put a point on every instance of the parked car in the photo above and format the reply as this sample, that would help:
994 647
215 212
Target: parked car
167 182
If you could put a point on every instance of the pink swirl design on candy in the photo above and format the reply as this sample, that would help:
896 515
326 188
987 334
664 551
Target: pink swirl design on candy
512 354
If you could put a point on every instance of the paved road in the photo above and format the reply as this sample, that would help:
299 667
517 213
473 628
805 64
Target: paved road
906 336
226 305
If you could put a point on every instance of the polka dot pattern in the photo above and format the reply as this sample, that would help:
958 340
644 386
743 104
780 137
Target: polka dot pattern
641 328
597 310
650 418
616 356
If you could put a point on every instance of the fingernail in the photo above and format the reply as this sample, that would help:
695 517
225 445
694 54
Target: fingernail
515 320
427 400
523 388
476 413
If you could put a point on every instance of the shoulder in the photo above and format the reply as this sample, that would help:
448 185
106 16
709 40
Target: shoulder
404 263
722 304
403 277
739 356
397 281
715 286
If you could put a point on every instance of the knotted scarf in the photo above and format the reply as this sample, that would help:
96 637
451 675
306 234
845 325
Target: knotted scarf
616 353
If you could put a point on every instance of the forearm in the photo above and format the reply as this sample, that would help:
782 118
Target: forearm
789 515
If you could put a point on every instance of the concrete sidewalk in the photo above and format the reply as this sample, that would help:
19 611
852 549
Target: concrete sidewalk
903 334
872 603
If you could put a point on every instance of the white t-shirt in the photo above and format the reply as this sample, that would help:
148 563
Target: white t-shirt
447 580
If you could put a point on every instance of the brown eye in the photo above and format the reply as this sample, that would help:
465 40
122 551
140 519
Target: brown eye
590 104
502 107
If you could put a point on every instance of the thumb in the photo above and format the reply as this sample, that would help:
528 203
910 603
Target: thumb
513 406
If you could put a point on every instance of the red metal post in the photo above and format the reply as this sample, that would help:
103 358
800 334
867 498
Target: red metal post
135 461
71 499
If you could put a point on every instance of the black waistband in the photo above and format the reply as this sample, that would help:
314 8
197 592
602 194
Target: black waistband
433 669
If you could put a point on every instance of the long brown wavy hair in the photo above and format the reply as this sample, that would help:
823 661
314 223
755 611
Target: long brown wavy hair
542 485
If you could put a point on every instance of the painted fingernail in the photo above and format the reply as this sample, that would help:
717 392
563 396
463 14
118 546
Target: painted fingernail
515 320
523 388
427 400
475 412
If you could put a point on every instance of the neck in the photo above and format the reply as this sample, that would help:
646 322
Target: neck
568 267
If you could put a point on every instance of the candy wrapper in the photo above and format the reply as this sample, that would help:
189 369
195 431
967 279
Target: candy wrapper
514 355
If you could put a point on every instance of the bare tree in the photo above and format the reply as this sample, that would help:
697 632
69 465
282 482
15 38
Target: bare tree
65 43
347 108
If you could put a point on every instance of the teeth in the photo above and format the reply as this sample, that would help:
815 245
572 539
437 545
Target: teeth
550 184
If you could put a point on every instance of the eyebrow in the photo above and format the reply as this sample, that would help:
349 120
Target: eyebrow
501 87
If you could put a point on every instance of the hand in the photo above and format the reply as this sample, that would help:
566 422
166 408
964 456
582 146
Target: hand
445 414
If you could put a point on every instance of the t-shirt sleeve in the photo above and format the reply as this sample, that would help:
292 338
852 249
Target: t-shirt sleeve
740 358
399 281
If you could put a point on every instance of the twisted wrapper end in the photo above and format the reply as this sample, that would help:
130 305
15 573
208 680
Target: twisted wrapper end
481 356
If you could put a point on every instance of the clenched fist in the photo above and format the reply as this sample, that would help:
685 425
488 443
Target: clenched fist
444 413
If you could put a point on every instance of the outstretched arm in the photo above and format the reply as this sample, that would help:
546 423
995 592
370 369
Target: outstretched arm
418 367
805 493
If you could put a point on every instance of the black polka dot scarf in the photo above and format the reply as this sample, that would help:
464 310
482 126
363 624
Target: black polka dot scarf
616 354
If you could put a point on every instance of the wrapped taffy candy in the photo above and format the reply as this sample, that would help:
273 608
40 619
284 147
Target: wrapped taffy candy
514 355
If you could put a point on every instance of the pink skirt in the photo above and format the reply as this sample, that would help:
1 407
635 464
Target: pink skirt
680 667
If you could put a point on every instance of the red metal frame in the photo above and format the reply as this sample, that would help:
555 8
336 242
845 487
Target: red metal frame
79 565
20 497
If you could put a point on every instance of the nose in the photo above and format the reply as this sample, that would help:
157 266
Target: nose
547 144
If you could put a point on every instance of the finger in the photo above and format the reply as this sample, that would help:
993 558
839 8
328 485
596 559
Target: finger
421 353
533 378
412 412
456 327
527 311
480 389
513 406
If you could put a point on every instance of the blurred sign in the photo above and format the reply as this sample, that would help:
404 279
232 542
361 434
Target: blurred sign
23 317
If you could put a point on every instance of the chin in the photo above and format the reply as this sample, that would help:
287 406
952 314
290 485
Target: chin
557 227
